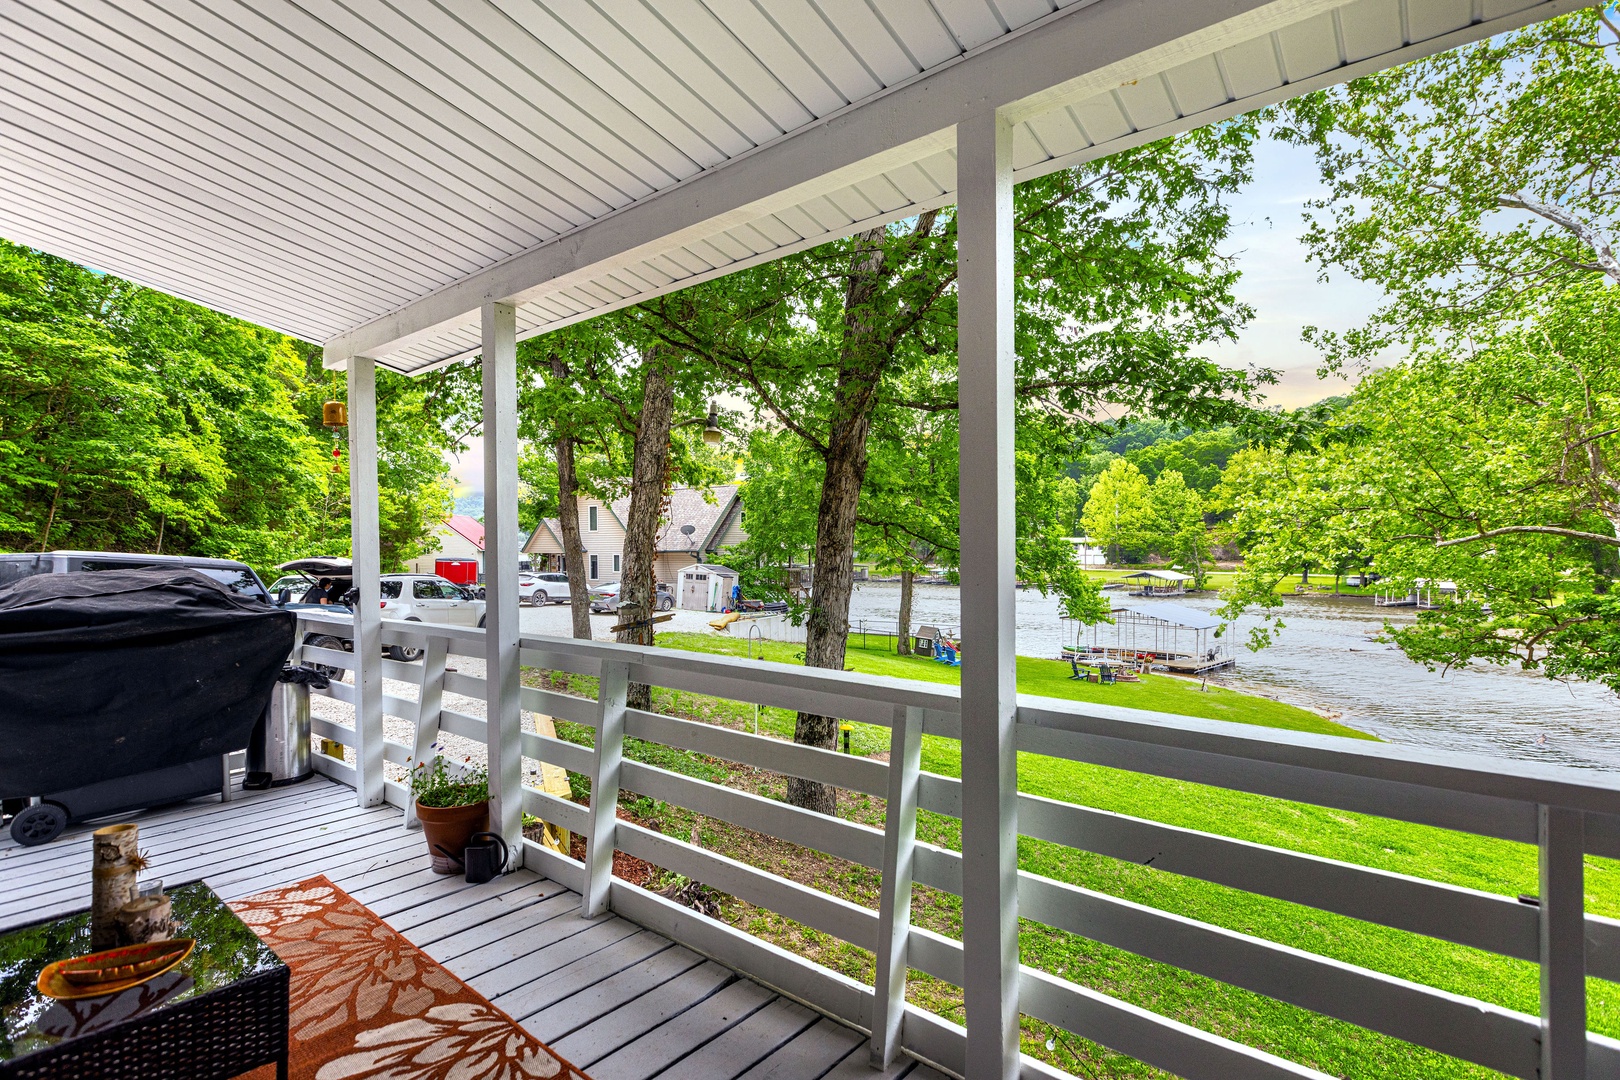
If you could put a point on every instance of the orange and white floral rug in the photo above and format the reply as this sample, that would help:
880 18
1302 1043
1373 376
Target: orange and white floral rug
368 1005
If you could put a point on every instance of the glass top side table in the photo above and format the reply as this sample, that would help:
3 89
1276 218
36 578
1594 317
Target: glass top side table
220 1013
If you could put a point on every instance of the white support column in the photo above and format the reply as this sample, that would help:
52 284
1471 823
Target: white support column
612 696
365 541
1563 944
989 691
505 711
894 900
430 706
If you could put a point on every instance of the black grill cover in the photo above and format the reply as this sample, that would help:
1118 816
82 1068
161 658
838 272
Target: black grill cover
111 673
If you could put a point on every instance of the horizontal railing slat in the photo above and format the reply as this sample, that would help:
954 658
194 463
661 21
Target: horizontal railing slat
1484 815
834 836
1376 764
314 654
1482 920
322 728
575 710
459 682
846 695
840 918
1473 1030
331 767
557 752
459 723
773 755
1175 1047
547 807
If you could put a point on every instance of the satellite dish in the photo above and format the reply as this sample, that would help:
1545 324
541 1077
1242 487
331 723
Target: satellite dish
688 529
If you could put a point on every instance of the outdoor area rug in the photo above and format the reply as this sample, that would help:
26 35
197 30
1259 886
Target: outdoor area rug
368 1005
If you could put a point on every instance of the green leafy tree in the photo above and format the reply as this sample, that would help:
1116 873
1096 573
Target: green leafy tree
1491 465
1118 512
134 421
1472 185
1119 281
1177 528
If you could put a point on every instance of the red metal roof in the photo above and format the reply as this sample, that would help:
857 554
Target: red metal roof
471 528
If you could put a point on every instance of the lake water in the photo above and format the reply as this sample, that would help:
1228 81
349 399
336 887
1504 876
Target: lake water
1325 660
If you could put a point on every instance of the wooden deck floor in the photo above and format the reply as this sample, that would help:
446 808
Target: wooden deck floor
621 1002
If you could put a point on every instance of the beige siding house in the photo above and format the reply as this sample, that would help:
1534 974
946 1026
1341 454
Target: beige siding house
459 537
701 523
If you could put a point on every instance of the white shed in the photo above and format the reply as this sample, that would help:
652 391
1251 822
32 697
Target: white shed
704 587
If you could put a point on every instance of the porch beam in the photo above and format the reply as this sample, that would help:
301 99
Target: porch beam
504 708
365 539
1072 54
989 687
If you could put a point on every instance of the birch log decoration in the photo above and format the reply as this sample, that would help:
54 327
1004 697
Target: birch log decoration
112 883
144 919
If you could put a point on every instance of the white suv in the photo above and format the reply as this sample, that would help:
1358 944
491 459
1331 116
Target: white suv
427 598
543 588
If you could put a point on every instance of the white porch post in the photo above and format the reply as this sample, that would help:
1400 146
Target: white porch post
1563 943
989 692
365 540
500 577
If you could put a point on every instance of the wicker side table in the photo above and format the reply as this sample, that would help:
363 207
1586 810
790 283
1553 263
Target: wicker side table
221 1013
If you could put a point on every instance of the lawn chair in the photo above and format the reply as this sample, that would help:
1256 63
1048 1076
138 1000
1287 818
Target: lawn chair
947 656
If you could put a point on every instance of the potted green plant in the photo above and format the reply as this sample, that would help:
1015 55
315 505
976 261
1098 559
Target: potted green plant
452 803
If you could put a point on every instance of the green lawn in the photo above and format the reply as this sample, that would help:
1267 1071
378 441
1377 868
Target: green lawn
1335 1047
1048 678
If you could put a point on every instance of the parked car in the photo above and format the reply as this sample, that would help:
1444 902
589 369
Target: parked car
606 597
429 598
236 576
405 597
543 588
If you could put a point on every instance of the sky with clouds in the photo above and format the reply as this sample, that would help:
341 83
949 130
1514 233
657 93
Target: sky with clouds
1278 282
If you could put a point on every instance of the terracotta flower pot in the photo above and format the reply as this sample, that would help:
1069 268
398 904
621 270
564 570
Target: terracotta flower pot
450 827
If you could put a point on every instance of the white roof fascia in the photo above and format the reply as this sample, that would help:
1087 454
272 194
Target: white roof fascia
1080 50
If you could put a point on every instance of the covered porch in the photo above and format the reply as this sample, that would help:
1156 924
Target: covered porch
417 191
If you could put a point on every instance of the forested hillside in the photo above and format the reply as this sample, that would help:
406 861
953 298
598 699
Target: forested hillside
134 421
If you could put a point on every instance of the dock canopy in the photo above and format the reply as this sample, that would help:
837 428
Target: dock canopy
1158 575
1171 615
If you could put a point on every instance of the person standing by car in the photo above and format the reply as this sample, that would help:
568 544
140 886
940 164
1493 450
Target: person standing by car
321 593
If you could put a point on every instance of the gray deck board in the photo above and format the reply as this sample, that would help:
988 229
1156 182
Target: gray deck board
812 1052
704 1023
620 1001
743 1045
443 943
649 962
623 1025
565 939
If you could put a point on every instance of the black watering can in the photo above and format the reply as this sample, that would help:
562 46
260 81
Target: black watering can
484 858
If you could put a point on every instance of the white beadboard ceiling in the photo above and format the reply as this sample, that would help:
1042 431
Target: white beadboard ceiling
366 174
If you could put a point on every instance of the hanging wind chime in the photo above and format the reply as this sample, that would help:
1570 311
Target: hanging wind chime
335 418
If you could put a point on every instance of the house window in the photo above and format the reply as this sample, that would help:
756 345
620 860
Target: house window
562 562
592 525
594 573
615 564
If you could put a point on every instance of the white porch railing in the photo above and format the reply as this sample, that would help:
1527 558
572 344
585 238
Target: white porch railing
1566 812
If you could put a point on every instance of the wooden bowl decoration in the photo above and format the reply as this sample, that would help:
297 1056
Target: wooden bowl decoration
111 970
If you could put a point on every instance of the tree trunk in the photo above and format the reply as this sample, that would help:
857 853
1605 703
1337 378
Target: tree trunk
579 592
832 577
649 475
904 647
